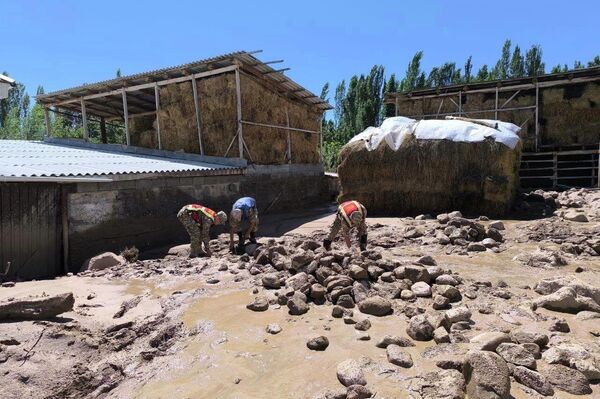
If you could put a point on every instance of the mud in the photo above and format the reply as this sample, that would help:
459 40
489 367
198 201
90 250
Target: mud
183 330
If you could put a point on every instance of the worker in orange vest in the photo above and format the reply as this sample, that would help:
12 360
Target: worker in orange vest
197 220
350 214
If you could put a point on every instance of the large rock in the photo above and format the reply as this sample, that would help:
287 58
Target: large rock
516 354
460 313
566 379
416 273
566 299
376 306
271 280
298 281
103 261
533 379
443 384
300 260
260 304
297 305
37 308
318 343
529 335
489 341
349 373
394 340
575 356
575 216
552 284
182 251
421 289
486 375
419 328
397 356
358 273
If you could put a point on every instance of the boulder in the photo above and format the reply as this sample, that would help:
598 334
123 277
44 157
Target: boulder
566 379
489 341
446 279
297 305
345 301
440 302
407 295
300 260
533 379
317 292
575 216
486 375
476 247
516 354
358 273
441 336
337 312
419 328
461 313
318 343
104 261
394 340
566 299
360 291
494 234
271 280
37 308
415 274
397 356
421 289
498 225
376 306
182 251
530 334
450 292
443 384
552 284
297 282
575 356
427 260
358 392
350 373
363 325
260 304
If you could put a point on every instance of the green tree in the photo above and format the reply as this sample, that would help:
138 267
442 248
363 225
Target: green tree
391 86
502 68
414 77
468 70
517 64
533 61
594 62
118 74
482 74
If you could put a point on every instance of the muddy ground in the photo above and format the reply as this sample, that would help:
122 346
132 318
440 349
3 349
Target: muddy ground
180 328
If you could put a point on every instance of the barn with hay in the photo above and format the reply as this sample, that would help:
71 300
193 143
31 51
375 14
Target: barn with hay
205 132
408 167
559 117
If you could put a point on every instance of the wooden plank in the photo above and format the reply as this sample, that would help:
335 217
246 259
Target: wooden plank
157 104
537 119
197 109
293 129
86 133
64 213
126 116
289 136
238 96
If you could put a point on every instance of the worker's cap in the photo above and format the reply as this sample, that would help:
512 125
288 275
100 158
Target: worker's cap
236 215
356 217
222 216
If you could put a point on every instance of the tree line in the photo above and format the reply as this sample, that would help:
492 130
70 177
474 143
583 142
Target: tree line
358 103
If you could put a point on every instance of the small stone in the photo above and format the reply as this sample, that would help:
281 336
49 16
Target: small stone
387 277
533 379
446 279
345 301
349 320
297 305
498 225
476 247
273 328
489 341
560 325
421 289
271 281
358 273
376 306
337 312
8 284
419 328
516 354
260 304
318 343
363 325
212 281
358 392
407 295
397 356
567 379
486 375
461 313
533 348
574 216
363 336
427 260
350 373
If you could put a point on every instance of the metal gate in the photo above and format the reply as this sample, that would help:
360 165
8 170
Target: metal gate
30 230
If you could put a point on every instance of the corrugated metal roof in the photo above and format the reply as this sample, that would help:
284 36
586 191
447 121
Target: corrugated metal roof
247 60
38 159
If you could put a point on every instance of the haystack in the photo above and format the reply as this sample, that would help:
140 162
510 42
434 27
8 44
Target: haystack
406 167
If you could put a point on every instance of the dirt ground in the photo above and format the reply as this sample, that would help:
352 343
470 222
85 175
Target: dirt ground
175 327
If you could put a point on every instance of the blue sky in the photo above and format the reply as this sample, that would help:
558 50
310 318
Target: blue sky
60 44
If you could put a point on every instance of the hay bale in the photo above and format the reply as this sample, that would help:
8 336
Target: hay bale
430 176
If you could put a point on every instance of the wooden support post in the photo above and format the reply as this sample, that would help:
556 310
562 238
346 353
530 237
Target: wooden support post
238 93
496 107
537 114
47 120
157 105
125 115
459 103
289 137
103 137
321 139
396 106
64 214
86 133
554 169
197 108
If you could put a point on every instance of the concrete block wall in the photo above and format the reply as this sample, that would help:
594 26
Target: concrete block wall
110 216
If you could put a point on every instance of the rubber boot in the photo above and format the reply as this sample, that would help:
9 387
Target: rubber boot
327 244
241 247
363 242
252 237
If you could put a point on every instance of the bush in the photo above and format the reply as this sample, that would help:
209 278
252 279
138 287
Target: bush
130 254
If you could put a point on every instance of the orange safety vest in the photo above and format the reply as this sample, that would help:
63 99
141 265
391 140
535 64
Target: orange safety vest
195 208
348 208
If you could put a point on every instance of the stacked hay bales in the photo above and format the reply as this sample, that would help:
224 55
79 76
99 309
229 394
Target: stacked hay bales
430 176
218 121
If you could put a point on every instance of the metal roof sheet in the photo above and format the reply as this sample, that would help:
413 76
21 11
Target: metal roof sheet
31 159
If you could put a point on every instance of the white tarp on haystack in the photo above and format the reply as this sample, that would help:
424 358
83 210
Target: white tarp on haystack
395 130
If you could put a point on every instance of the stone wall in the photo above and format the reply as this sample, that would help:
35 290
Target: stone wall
111 216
